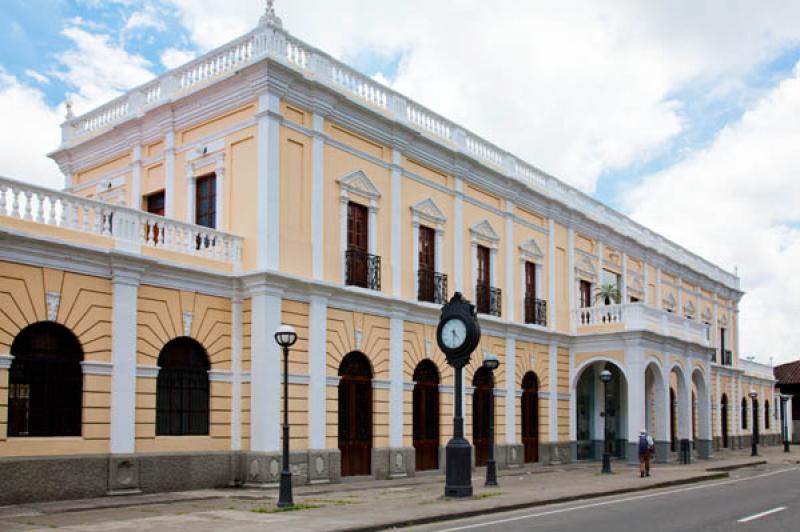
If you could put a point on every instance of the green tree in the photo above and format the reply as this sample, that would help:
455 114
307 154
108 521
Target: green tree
606 293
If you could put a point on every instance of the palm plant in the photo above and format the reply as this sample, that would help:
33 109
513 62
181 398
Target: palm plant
607 293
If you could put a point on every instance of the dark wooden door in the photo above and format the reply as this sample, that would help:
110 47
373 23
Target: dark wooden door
205 201
357 238
673 420
586 294
530 417
482 286
481 403
355 415
426 416
427 263
530 280
724 418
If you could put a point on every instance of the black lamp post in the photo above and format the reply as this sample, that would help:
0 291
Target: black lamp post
286 337
606 377
491 362
754 445
785 421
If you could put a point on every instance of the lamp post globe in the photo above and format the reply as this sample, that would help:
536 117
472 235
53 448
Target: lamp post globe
754 443
605 377
285 337
491 362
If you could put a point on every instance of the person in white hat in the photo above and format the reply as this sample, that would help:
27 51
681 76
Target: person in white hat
646 448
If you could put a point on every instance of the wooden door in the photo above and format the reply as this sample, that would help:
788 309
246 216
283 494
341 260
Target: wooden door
426 416
357 238
586 294
355 415
482 285
481 403
530 417
530 292
724 419
427 263
206 201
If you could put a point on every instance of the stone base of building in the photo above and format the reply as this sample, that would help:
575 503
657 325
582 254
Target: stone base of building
703 448
509 455
258 469
390 462
663 452
558 453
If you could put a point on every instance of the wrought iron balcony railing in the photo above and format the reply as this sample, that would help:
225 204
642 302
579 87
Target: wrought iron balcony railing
535 311
488 299
363 269
432 286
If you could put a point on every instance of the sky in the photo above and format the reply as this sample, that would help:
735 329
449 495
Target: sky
683 114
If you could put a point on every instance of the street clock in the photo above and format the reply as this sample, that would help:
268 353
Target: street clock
458 332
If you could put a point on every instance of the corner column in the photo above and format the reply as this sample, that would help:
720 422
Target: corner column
551 277
458 237
634 361
268 188
318 197
511 290
400 460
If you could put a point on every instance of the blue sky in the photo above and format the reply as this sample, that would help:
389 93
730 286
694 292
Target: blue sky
681 114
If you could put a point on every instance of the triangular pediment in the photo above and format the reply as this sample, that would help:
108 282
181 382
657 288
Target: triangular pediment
530 249
484 231
359 183
428 210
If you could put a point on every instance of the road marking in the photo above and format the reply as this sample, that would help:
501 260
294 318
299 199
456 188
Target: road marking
762 514
618 501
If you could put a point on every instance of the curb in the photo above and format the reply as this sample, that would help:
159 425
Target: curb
533 504
736 466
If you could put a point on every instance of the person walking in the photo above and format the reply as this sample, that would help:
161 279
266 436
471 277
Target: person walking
646 448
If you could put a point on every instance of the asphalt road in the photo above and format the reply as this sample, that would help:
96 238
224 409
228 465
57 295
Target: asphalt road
763 500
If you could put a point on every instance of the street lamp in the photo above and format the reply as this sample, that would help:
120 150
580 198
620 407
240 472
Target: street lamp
785 421
606 377
286 337
754 445
491 362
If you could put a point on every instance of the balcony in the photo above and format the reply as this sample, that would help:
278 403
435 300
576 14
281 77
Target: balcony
90 222
432 286
363 269
488 299
638 316
535 311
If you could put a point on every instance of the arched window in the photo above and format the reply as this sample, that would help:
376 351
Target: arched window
766 415
182 389
744 413
355 414
45 384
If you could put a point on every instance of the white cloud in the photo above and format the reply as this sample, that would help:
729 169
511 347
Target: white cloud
30 130
173 57
738 203
147 17
38 77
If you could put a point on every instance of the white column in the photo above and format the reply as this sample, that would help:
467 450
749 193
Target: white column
511 290
666 403
136 178
600 262
715 331
265 380
458 237
680 297
415 253
788 414
236 367
318 198
553 384
124 289
396 381
685 408
219 197
658 288
511 397
634 362
551 274
169 177
343 200
716 404
735 333
646 282
397 226
571 286
473 252
624 289
372 228
317 354
492 267
268 190
438 250
573 422
189 179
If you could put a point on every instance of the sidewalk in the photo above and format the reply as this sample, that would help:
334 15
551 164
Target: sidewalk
366 504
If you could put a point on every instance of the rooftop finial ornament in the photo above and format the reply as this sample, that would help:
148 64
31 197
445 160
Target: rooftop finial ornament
269 16
70 115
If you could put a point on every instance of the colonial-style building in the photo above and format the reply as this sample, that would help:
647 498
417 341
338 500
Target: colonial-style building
266 183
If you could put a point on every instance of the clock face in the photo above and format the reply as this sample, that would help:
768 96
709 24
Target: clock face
454 333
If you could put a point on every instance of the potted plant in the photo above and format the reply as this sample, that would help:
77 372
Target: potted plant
608 293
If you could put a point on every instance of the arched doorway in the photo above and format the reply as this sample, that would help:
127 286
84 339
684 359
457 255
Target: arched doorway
481 403
601 416
426 416
655 411
45 382
723 412
673 420
530 416
355 414
182 389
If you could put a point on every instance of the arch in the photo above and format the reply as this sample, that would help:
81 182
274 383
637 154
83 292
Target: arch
355 414
426 415
45 382
723 414
655 411
701 410
530 416
680 405
182 388
592 426
482 402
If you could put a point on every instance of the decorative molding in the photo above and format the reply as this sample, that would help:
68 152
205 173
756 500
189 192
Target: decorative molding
332 381
669 302
586 268
428 210
530 250
96 367
187 323
53 301
220 375
147 372
359 336
428 346
5 361
706 316
484 232
689 310
380 384
359 183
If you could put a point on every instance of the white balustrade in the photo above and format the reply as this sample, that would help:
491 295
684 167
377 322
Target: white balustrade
278 45
128 227
638 316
